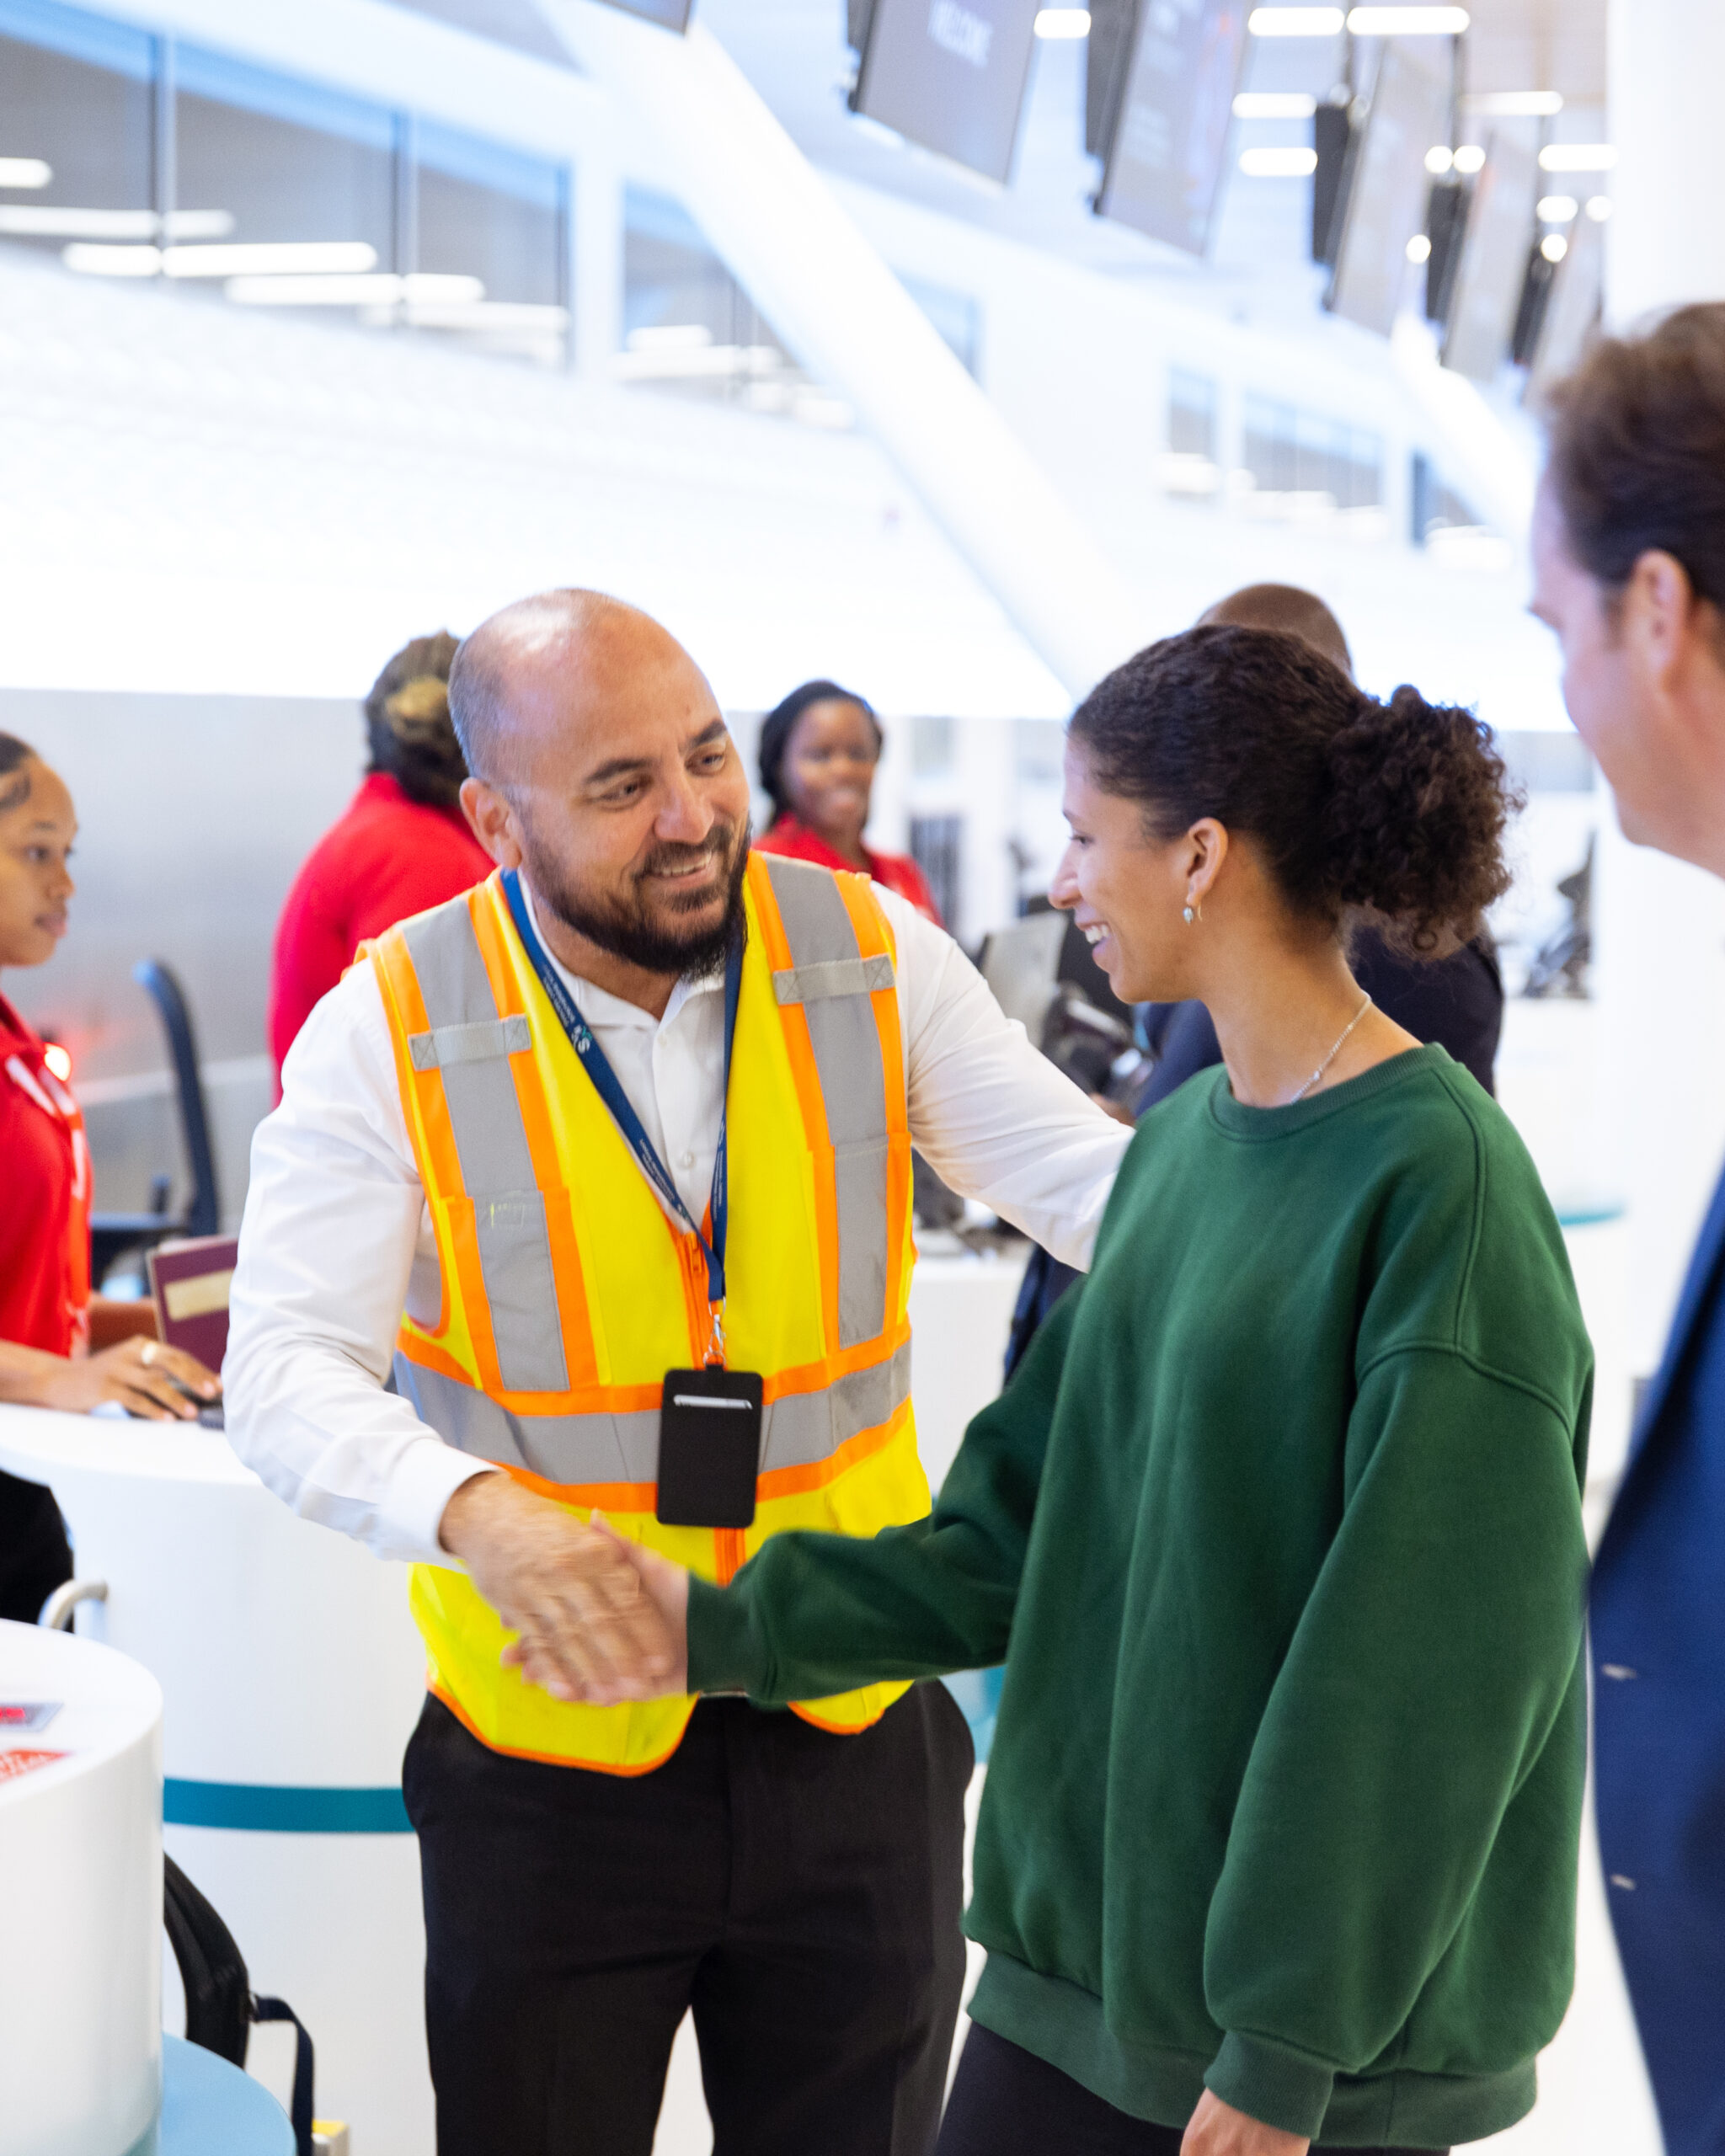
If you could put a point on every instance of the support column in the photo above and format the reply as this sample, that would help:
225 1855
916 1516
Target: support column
1660 925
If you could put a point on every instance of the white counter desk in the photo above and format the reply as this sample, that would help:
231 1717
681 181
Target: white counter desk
292 1676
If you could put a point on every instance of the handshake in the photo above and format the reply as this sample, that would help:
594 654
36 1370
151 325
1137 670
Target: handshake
598 1620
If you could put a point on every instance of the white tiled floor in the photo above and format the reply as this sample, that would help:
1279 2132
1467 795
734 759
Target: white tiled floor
1593 2097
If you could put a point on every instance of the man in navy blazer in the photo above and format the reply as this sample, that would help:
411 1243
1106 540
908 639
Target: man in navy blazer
1629 570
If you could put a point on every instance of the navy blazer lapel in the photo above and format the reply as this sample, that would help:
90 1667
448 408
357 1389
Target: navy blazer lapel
1691 1304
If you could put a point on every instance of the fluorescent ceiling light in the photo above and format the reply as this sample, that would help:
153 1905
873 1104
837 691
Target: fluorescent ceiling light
670 337
1419 248
1295 22
272 259
506 315
1407 22
1274 105
381 289
24 171
1598 207
1515 104
1556 209
91 260
1578 156
31 221
1063 22
1278 164
1554 247
1470 158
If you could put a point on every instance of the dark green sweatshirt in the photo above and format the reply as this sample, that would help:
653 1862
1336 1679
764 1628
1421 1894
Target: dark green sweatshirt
1279 1531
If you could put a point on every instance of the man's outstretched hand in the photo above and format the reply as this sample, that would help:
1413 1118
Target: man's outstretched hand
1217 2129
588 1612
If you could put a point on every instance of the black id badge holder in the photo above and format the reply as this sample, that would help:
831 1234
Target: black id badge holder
710 1448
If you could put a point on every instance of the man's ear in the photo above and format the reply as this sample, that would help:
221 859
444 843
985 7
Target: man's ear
492 818
1662 620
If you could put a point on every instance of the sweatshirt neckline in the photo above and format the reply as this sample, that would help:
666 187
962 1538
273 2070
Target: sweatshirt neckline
1239 1120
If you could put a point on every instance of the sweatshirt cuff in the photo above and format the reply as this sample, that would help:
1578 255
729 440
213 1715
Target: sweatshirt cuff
724 1654
1272 2083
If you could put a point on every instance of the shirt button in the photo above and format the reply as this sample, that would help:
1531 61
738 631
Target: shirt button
1621 1879
1620 1670
685 1160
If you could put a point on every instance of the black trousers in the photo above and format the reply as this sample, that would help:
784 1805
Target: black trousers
34 1555
801 1891
1007 2102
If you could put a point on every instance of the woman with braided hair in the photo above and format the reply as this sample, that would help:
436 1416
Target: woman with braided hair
402 845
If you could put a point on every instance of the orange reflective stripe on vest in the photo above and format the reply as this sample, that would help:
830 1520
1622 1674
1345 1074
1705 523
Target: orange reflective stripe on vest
567 1291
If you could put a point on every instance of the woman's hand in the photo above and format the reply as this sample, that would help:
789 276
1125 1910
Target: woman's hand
143 1375
1217 2129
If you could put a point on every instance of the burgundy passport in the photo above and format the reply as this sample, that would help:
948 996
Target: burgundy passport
189 1281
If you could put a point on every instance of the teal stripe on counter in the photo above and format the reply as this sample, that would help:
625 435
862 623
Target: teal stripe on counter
259 1808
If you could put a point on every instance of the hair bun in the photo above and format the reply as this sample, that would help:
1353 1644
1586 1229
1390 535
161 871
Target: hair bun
418 713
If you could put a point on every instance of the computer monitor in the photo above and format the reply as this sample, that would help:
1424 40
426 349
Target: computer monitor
950 74
1493 264
1169 140
1385 190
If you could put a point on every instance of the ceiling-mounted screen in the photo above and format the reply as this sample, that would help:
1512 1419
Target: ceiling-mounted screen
1169 137
1493 264
950 74
1571 312
1385 190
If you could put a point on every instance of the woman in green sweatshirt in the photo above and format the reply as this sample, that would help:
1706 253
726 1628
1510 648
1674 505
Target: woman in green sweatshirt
1278 1529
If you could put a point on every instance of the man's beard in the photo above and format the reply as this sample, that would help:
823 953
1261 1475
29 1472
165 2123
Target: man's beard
626 931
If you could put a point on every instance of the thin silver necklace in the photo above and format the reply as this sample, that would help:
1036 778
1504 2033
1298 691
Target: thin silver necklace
1341 1043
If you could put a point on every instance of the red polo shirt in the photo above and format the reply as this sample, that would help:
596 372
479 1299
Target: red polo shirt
896 871
45 1199
387 858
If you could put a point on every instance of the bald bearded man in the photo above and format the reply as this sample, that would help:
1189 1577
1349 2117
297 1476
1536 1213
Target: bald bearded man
610 1161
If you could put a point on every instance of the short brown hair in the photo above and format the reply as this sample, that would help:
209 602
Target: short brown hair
1285 607
1638 451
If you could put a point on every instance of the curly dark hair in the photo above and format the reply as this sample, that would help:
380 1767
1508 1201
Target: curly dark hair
1392 811
781 722
1638 451
408 725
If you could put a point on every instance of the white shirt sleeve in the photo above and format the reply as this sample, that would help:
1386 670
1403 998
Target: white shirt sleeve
335 1244
989 1111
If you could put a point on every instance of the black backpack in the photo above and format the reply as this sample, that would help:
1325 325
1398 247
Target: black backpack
220 2007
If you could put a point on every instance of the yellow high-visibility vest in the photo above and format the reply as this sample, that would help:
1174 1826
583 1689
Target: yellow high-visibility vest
568 1292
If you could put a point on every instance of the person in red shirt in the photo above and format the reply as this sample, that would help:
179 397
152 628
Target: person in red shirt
402 845
59 1347
819 751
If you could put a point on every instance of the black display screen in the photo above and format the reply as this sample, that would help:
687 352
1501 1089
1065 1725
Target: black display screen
950 74
1165 161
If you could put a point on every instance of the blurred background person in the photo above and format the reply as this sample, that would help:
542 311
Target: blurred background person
1457 1001
1629 570
59 1347
402 844
818 755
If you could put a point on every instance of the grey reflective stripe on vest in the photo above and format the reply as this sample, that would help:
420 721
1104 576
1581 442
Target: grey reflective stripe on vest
847 1056
800 1430
478 1043
470 1046
833 977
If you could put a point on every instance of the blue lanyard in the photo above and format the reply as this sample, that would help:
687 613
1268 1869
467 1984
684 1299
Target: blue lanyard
597 1066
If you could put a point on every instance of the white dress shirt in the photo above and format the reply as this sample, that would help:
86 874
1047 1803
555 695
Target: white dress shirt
337 1236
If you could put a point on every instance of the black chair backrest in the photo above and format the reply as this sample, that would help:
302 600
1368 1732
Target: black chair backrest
220 2008
203 1213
